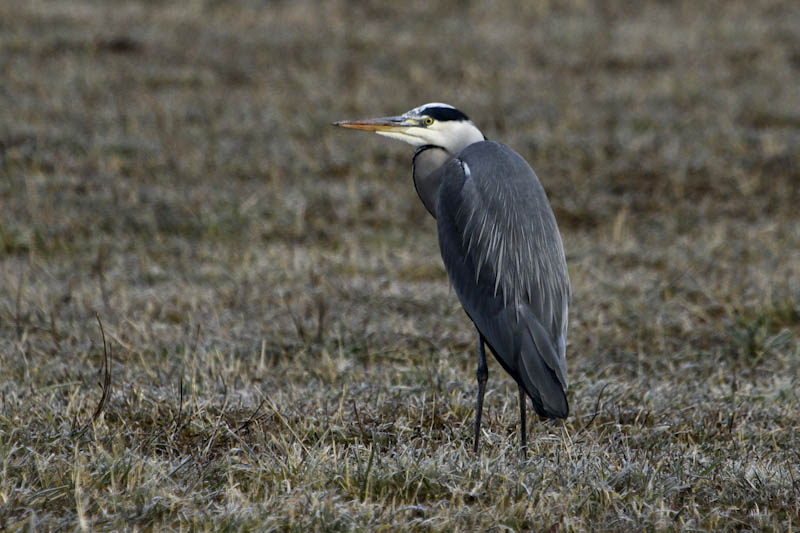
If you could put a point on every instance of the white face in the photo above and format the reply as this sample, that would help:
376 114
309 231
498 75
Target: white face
452 135
452 131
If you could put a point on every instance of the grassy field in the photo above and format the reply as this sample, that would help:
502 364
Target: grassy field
284 352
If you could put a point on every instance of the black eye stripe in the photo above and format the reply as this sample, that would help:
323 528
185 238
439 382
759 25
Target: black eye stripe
443 114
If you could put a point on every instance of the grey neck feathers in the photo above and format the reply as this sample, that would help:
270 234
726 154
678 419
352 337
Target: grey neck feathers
427 165
427 160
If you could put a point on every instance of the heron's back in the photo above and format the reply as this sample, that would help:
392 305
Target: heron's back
503 252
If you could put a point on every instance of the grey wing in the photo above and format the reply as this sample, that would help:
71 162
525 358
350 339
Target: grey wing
502 250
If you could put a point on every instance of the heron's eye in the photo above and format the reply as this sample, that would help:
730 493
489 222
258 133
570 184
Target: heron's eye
428 121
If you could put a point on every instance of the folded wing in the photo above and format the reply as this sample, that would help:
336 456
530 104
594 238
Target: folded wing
502 250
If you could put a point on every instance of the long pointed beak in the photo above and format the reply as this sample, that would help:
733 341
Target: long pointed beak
376 124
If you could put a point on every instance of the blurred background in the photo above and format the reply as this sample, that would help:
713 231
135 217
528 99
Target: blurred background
172 168
154 140
165 147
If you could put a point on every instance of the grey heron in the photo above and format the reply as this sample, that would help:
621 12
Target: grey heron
500 246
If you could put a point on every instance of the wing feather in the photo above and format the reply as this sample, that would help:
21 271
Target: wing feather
503 253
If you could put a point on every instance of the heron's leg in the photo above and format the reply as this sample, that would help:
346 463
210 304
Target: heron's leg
483 375
523 426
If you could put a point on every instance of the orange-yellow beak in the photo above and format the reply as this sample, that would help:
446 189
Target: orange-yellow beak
377 124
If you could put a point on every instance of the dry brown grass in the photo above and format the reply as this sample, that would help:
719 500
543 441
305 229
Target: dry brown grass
285 352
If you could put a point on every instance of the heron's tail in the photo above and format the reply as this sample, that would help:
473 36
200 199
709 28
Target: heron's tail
537 364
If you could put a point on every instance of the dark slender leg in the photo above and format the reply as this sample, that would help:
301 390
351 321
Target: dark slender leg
523 427
483 375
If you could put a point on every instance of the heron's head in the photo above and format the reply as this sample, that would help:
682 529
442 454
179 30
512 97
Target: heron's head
432 124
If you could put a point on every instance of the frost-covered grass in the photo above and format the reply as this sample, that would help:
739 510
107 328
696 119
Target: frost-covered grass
284 350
